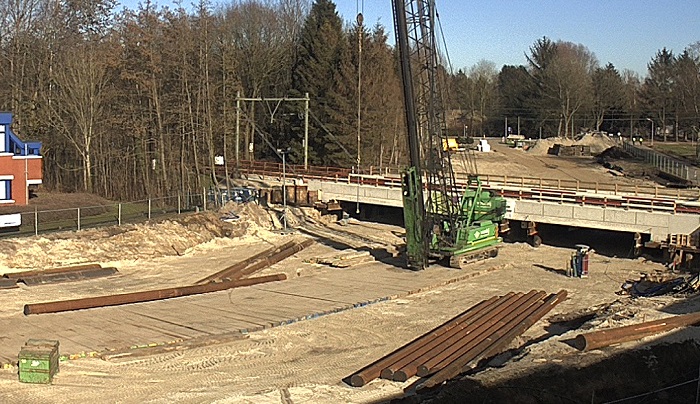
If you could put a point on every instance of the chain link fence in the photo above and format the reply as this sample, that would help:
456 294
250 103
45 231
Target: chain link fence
75 219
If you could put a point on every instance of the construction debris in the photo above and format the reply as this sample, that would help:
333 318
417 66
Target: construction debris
659 284
482 331
344 259
604 338
145 296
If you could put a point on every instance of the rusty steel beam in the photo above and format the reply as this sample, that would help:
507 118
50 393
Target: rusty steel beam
373 370
58 270
269 261
603 338
408 367
471 342
67 276
506 337
239 266
145 296
515 324
397 371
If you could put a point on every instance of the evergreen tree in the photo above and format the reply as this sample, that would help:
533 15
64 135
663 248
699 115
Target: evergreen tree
515 89
657 88
608 94
687 91
321 45
380 99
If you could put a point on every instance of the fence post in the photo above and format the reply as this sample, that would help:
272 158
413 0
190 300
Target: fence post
149 208
36 221
178 204
78 219
119 214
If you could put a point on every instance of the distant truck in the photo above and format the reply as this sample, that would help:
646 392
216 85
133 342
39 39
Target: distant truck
450 144
516 141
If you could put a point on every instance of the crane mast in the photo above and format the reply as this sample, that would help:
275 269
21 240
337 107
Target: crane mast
436 212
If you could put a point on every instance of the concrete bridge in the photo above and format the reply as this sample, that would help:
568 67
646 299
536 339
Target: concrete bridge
655 211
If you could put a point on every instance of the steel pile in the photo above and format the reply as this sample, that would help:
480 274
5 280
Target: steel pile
55 275
481 332
257 262
145 296
603 338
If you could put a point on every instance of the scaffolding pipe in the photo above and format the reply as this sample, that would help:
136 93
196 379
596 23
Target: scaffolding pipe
145 296
603 338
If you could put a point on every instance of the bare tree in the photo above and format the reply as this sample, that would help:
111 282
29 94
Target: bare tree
81 84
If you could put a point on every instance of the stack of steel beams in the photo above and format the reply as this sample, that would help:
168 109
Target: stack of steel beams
458 345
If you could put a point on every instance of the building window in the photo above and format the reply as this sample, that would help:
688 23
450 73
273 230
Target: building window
5 190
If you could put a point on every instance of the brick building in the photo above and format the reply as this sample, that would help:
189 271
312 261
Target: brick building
20 164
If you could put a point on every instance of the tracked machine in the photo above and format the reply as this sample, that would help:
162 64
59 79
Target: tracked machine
452 223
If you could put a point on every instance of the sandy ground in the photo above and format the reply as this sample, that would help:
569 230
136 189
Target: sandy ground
305 361
535 163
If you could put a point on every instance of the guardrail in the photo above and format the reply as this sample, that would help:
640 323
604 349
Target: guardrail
393 173
666 164
652 199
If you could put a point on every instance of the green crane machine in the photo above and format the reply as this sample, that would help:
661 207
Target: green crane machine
444 222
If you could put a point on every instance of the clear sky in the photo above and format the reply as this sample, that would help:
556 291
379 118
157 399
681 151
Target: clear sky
626 33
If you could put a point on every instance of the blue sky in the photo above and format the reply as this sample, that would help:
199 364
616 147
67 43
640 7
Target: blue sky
627 33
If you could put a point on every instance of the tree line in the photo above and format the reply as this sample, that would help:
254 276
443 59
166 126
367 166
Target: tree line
134 103
562 90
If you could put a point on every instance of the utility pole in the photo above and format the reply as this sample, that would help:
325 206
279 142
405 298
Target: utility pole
359 102
305 99
284 185
306 131
238 124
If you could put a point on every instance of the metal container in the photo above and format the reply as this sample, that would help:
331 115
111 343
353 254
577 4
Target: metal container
38 361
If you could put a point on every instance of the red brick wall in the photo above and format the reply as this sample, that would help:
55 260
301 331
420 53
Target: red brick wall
16 167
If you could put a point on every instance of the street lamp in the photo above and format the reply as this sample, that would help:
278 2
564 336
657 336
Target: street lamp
284 152
652 131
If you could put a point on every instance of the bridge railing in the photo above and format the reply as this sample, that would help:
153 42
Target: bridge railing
638 197
666 164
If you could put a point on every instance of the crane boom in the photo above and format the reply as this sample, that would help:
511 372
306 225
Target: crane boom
437 213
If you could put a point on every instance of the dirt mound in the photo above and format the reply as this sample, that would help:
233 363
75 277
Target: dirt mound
598 143
614 152
132 241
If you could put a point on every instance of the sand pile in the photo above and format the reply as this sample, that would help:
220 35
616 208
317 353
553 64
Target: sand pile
598 143
132 241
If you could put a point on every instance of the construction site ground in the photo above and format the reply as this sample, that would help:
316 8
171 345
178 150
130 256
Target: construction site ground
294 341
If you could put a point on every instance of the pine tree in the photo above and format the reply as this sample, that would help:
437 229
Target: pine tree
657 88
321 45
